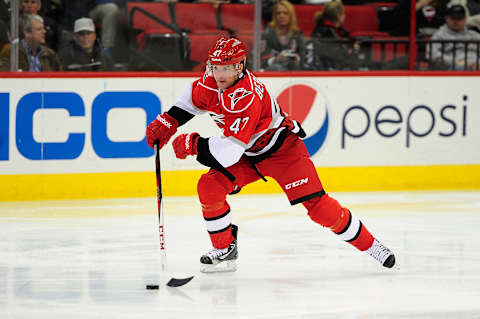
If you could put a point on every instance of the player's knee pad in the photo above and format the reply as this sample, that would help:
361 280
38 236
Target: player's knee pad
210 189
212 195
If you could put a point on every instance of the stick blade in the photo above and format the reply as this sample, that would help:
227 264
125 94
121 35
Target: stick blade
177 282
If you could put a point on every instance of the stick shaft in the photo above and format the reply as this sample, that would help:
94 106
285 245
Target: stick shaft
161 225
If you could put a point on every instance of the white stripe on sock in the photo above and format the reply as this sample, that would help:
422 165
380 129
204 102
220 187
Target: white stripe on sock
218 224
352 229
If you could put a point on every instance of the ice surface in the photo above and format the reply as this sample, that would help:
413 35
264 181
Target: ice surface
92 259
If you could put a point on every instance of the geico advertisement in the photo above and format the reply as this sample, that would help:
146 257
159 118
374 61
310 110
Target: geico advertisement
60 125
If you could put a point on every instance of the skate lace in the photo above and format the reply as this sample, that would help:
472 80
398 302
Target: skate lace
379 252
216 253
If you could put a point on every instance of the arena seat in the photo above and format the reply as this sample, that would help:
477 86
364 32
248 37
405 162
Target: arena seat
139 16
361 19
200 44
247 39
146 19
196 17
238 18
159 42
306 17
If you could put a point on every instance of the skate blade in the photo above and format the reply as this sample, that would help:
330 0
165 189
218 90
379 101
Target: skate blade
225 266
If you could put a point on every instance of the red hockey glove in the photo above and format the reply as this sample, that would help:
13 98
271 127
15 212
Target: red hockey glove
161 130
185 144
295 127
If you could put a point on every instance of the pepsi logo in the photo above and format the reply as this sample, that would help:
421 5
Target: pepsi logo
307 105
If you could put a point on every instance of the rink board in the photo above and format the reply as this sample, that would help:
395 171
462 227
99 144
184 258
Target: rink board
63 137
180 183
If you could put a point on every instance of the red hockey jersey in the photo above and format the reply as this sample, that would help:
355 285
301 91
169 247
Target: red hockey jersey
244 112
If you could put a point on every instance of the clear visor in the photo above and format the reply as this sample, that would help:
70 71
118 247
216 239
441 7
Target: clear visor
229 69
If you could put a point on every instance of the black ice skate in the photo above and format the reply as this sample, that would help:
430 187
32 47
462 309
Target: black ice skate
221 260
382 254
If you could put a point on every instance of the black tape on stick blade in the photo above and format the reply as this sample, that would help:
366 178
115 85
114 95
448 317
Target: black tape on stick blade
175 282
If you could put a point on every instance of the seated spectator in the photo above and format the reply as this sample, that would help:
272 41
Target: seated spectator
282 40
472 8
267 8
33 54
329 21
104 13
455 54
84 53
51 27
334 50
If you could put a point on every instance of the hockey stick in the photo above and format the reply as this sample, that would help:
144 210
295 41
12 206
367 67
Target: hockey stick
173 282
161 225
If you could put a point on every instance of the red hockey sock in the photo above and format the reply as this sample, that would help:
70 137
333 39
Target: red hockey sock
218 220
212 192
327 212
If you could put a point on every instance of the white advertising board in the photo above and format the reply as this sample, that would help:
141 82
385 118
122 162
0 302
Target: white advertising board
79 125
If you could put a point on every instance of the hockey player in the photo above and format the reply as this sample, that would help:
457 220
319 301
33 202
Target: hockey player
258 140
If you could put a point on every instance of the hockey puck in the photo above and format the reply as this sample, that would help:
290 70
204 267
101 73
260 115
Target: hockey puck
152 287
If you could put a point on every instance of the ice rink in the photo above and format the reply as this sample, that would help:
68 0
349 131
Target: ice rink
92 259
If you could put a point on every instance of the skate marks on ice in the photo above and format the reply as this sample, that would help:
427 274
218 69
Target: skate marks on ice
57 262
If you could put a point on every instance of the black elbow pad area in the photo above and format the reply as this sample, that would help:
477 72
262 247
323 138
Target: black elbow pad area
206 158
180 115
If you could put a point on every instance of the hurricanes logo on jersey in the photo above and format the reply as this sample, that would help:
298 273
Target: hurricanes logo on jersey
237 95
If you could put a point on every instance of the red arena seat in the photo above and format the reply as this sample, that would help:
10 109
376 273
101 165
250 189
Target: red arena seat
140 20
237 17
306 17
196 17
200 44
361 19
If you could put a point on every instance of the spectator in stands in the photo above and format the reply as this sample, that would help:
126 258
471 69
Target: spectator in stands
472 8
34 55
282 40
267 8
455 54
51 26
430 16
105 13
333 49
85 53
